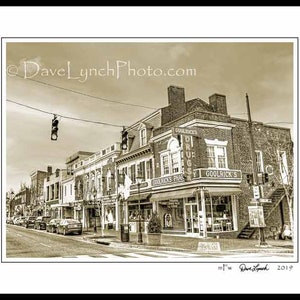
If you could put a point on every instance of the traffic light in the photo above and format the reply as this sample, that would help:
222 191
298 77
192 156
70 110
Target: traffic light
124 139
249 178
54 128
266 177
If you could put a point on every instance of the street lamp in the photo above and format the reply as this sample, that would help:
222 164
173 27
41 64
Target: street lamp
139 179
94 192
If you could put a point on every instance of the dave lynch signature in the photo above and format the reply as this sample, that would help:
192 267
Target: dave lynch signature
254 268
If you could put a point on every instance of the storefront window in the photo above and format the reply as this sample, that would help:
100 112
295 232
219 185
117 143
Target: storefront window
219 213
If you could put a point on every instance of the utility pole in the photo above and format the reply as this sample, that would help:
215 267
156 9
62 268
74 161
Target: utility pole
262 241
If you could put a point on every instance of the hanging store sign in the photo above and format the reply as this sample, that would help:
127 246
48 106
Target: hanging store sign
188 155
256 216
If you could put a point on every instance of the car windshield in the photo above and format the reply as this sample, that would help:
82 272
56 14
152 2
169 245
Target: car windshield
71 221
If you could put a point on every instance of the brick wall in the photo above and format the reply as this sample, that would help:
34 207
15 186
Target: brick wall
267 139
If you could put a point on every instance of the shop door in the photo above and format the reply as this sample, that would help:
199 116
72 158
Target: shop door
191 219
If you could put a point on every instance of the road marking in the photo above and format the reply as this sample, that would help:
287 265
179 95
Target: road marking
147 255
45 245
18 234
134 255
178 253
111 256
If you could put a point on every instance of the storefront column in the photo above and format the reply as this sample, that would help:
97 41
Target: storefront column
202 199
118 215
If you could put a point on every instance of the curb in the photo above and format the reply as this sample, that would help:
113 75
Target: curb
127 245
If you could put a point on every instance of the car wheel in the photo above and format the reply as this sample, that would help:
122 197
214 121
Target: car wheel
26 226
64 232
80 232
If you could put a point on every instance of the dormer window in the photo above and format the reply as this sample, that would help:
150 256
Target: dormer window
144 133
143 137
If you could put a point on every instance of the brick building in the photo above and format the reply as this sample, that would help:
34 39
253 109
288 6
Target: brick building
194 159
20 202
37 178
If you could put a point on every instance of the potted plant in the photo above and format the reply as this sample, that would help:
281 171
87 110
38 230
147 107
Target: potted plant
154 230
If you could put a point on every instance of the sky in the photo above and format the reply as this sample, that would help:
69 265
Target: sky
133 76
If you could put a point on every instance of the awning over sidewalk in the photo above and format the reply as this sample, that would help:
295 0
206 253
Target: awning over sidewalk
223 191
136 197
173 195
60 205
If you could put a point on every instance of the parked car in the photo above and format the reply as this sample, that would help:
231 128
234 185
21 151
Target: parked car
16 220
9 220
67 226
51 226
29 221
21 221
40 222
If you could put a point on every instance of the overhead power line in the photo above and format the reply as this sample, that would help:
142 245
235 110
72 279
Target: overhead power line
88 95
63 116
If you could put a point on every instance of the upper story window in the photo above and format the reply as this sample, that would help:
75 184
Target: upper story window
170 159
259 161
109 180
143 137
283 167
216 154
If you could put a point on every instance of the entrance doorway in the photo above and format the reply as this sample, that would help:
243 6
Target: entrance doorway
191 219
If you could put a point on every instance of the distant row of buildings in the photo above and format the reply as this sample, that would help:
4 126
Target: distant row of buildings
189 161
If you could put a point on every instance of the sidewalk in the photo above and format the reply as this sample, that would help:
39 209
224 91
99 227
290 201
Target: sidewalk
171 242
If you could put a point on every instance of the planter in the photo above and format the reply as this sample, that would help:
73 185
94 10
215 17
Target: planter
154 239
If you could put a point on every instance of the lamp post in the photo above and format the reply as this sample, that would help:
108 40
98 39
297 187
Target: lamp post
139 179
94 192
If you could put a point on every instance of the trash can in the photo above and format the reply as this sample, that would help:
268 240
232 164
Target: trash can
124 232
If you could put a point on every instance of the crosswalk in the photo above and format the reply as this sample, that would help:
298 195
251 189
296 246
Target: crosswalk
137 255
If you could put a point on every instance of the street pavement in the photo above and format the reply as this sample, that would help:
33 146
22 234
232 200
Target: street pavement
185 243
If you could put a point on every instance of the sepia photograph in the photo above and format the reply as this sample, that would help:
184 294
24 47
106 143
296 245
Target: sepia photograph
150 150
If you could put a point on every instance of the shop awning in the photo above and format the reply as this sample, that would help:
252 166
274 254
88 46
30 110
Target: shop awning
136 197
60 205
173 195
223 191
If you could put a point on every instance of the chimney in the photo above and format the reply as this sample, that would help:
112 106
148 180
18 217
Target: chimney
49 170
218 103
176 98
176 95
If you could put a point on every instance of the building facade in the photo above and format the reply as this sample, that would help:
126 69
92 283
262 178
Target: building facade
199 162
20 203
53 194
96 196
136 163
37 200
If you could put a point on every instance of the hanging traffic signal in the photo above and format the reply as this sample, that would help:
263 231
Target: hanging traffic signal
54 128
266 177
249 178
124 139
